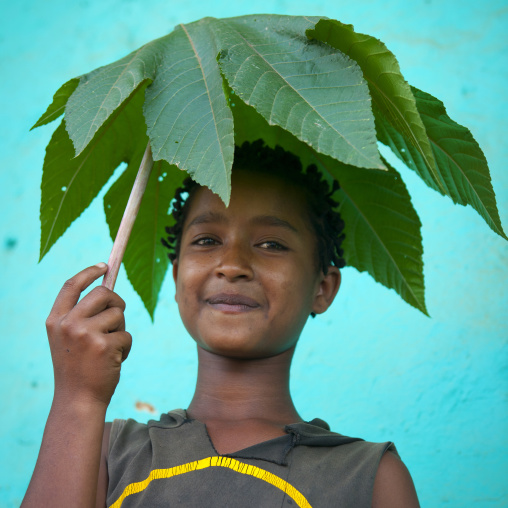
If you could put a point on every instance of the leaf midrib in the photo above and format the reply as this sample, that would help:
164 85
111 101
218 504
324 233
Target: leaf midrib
405 122
209 98
471 186
43 119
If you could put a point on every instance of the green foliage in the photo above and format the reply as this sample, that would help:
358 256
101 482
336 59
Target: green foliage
56 108
391 95
69 184
103 90
189 122
303 86
311 85
463 170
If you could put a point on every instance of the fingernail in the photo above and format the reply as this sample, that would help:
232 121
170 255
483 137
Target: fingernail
101 265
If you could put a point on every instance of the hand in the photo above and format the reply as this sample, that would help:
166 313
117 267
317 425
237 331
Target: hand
88 340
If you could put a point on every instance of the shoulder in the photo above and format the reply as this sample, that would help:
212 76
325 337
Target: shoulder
353 472
393 485
371 469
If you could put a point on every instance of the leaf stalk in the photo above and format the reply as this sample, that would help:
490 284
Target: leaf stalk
129 216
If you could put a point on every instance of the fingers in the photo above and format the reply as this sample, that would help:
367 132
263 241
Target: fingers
98 300
120 342
69 294
87 338
125 342
108 321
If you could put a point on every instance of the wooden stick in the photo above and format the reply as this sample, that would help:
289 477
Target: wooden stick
129 216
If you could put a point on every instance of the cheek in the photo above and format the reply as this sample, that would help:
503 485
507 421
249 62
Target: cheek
293 289
189 275
185 290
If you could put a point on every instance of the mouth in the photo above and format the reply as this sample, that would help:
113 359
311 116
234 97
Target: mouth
232 303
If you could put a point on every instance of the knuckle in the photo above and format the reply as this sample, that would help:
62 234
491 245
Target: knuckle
73 329
101 291
100 347
121 304
127 344
69 284
117 313
128 338
82 334
117 301
50 323
67 325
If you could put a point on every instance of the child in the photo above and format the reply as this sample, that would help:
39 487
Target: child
247 278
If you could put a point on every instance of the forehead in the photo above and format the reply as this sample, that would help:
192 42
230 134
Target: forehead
254 194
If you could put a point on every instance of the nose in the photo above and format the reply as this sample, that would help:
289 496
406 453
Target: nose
235 262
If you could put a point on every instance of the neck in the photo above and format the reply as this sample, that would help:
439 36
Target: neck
231 389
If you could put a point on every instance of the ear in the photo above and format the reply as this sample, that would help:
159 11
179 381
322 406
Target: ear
175 277
327 290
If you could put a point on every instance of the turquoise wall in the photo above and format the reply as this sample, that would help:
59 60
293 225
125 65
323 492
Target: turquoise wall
372 366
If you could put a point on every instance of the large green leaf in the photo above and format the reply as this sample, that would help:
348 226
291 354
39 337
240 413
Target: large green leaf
101 91
303 86
189 122
392 98
383 234
69 184
56 108
460 161
145 259
381 226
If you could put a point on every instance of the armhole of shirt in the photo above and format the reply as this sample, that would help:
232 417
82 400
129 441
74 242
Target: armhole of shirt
385 448
390 447
116 428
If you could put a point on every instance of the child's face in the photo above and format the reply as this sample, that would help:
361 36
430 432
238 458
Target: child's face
246 276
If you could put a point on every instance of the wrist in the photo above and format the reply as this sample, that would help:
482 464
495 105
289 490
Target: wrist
78 405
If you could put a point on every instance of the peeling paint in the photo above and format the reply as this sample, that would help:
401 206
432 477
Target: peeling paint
145 406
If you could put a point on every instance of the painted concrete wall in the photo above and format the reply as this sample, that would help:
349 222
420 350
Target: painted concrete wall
372 366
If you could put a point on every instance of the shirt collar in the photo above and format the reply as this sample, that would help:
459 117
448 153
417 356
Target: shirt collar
313 433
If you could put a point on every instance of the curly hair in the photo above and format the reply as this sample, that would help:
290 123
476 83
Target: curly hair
324 217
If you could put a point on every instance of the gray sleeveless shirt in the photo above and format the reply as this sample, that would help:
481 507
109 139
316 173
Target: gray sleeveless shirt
172 462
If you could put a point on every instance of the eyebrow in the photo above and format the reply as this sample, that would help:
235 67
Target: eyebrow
208 218
272 220
261 220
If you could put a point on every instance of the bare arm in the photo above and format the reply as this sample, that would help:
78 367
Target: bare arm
88 343
393 486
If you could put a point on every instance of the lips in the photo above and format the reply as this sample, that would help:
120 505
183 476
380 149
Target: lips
230 302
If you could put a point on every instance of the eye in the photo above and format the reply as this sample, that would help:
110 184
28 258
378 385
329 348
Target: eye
205 241
272 245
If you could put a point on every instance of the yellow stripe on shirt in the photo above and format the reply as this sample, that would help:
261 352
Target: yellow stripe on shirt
235 465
